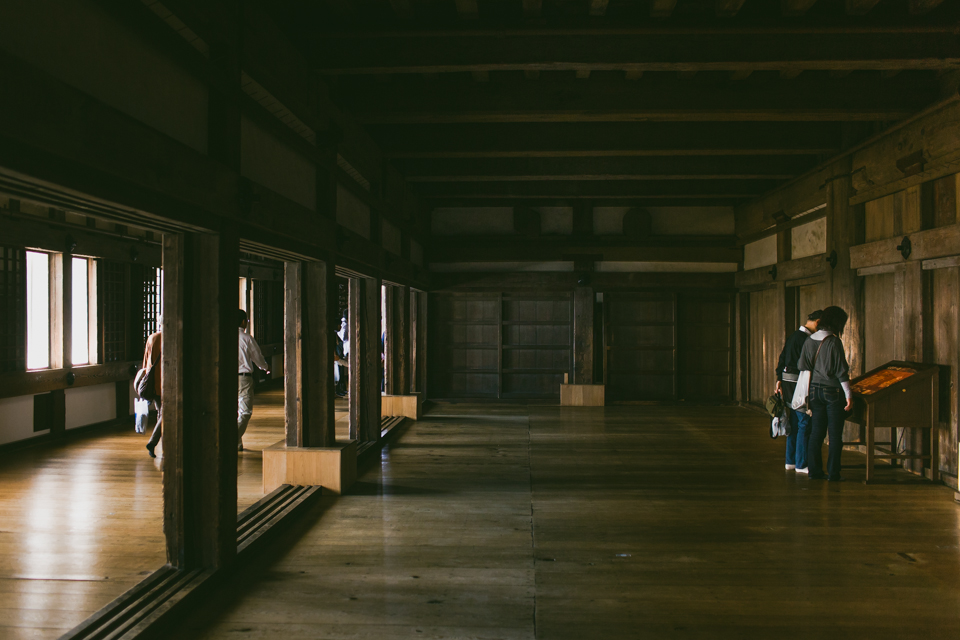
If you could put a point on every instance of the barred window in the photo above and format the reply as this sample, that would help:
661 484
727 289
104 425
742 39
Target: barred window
111 292
152 293
13 309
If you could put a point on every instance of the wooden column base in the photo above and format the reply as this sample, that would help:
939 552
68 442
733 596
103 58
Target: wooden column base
582 395
333 468
410 406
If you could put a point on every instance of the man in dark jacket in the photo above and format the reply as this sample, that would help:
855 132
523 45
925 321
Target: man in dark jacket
787 376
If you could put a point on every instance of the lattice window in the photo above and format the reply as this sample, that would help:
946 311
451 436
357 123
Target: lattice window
13 309
151 300
268 311
111 294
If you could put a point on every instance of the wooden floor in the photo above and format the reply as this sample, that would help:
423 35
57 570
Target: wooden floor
80 522
491 521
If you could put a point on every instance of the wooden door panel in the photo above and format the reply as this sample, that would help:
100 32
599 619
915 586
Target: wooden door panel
641 342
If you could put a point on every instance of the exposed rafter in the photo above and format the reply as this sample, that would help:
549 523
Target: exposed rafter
919 7
605 168
607 139
732 189
532 8
727 8
662 8
860 7
860 97
598 7
795 7
467 9
638 50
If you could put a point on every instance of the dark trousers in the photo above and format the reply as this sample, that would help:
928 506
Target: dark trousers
827 405
158 429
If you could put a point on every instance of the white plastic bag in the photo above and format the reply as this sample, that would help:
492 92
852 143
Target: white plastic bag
141 409
799 402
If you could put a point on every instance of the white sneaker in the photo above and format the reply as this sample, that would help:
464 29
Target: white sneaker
803 470
789 467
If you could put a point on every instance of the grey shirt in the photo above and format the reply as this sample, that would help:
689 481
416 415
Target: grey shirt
831 368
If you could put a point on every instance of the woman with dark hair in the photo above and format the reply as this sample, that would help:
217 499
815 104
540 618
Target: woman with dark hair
830 395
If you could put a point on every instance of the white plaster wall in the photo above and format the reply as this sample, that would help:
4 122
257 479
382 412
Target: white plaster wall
270 162
760 253
390 237
80 43
16 419
90 405
808 239
456 221
352 212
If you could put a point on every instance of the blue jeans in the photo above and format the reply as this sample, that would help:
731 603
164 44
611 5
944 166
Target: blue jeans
797 440
827 404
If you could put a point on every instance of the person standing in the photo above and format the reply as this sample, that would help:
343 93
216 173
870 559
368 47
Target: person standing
153 355
788 373
250 356
830 394
341 365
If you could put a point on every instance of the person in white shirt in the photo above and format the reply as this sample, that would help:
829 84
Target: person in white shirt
250 356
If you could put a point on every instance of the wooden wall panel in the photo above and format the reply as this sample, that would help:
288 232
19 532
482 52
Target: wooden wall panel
704 343
878 323
642 347
765 342
946 297
537 345
464 353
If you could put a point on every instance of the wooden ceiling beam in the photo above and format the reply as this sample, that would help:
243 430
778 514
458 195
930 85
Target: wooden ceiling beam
598 7
920 7
662 8
860 97
634 201
557 140
598 189
637 50
605 168
447 249
793 8
532 8
467 9
728 8
860 7
401 8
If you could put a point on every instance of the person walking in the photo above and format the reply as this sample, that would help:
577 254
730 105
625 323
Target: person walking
788 373
830 394
250 356
153 355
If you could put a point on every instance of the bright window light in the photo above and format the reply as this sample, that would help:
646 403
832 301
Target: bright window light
38 310
80 336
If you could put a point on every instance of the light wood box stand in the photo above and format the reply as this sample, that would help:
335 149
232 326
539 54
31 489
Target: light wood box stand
582 395
333 468
410 406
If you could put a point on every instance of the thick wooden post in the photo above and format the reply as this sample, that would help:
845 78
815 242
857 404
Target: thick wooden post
365 358
583 304
398 340
310 305
200 398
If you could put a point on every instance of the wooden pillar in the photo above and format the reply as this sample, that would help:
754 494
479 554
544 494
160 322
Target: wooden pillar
365 359
583 306
398 338
200 398
419 374
310 307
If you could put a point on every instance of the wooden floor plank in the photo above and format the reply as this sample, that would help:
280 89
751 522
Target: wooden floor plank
505 521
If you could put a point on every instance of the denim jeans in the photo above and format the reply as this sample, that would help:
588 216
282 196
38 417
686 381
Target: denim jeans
797 440
827 404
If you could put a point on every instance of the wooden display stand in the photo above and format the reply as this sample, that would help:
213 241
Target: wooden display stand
582 395
333 468
410 406
898 395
